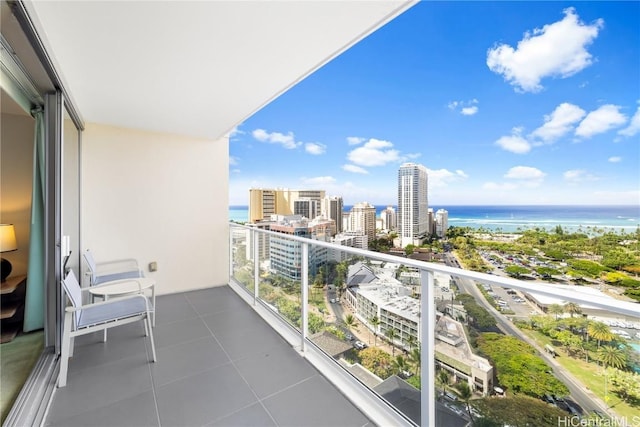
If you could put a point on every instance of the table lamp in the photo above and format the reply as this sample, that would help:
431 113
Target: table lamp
7 244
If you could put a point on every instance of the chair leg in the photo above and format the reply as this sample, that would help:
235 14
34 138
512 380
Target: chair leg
104 336
153 345
72 345
64 356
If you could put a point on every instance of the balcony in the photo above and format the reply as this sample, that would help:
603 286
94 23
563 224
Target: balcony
264 350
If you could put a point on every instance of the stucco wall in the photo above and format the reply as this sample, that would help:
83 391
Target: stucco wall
157 197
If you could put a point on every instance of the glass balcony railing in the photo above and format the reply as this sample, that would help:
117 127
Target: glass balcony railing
411 342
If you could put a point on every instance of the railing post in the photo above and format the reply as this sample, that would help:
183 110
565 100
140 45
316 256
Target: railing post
230 251
256 264
304 283
427 351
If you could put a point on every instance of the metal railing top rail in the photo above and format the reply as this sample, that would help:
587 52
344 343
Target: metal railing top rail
617 306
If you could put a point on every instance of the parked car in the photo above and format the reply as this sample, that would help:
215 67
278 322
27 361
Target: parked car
349 337
360 345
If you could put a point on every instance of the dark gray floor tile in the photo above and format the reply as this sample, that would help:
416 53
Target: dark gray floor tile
183 360
180 332
201 399
272 369
253 416
174 307
122 342
139 411
234 321
245 343
314 402
215 300
100 386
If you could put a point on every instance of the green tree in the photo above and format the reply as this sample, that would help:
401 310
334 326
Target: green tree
612 356
350 321
465 395
556 310
600 332
391 336
400 365
375 322
572 308
516 270
377 361
444 378
415 359
411 342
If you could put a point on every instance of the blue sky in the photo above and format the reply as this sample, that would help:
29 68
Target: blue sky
503 102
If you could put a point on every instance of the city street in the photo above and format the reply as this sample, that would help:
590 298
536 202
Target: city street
584 398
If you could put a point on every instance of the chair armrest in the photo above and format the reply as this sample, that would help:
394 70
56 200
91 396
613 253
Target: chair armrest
126 264
71 309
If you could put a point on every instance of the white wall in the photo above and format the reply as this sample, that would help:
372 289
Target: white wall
157 197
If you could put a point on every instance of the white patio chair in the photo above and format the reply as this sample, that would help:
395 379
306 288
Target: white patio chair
85 319
108 271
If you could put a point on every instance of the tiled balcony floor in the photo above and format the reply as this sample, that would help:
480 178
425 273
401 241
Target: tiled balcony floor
219 364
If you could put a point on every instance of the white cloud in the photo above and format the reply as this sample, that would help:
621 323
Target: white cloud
374 152
575 176
557 49
469 111
319 180
235 170
559 122
354 169
467 108
494 186
287 141
615 159
525 176
524 173
442 177
355 140
634 125
601 120
233 160
514 143
315 148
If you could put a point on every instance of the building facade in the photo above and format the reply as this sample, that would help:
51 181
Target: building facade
388 217
264 202
363 218
413 220
332 208
442 223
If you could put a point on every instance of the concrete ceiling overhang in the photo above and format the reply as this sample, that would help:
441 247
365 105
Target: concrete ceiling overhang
195 68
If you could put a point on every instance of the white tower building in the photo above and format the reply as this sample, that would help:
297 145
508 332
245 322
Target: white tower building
413 220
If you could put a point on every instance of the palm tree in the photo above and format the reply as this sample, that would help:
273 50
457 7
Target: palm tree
600 331
465 395
555 309
572 308
612 356
400 365
411 341
375 322
391 335
350 321
444 376
415 358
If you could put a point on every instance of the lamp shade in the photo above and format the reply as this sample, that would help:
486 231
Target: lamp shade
7 238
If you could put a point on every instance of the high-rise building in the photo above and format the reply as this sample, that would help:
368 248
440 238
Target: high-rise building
442 222
363 218
388 217
306 207
332 209
264 202
413 220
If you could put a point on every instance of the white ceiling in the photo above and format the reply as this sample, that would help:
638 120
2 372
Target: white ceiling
195 68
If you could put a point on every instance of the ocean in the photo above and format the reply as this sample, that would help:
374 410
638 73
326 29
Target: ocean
519 218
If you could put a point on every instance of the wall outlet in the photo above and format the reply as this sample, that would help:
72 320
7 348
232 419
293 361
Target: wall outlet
153 266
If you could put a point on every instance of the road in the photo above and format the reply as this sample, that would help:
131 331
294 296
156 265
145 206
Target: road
585 399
